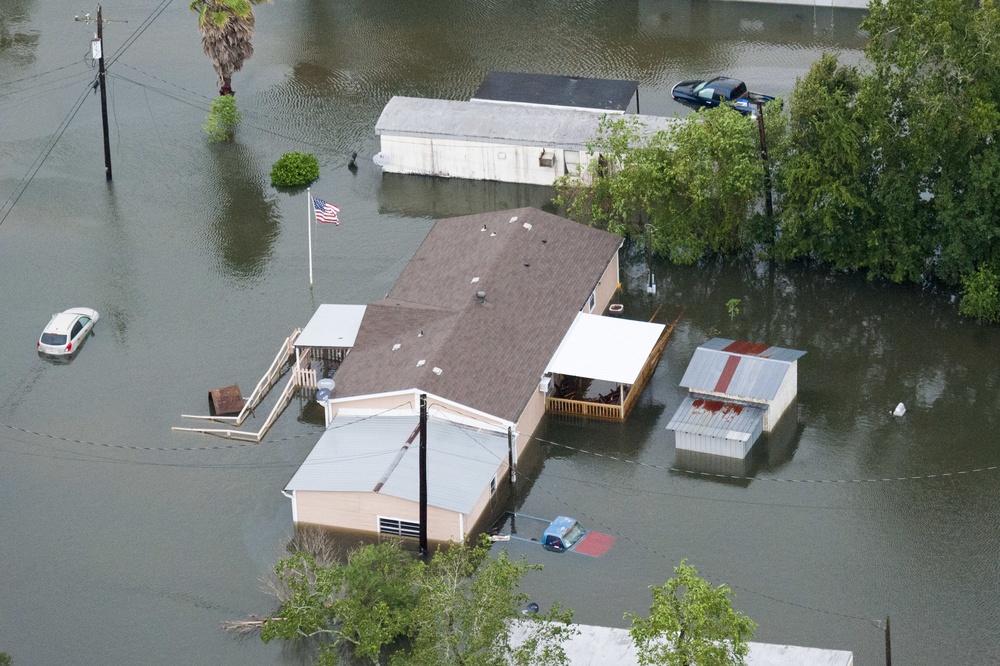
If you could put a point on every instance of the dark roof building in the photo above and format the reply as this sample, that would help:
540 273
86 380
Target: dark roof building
480 310
555 90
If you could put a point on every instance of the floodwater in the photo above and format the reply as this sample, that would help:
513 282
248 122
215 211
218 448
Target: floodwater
122 542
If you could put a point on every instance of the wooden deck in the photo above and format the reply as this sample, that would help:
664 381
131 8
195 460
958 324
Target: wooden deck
302 376
611 411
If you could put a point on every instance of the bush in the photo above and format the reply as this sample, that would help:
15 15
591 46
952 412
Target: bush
294 169
981 296
223 117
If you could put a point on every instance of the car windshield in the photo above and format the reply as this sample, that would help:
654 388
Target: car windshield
701 85
573 535
53 339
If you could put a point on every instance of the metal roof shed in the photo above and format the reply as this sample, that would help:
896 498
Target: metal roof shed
363 474
745 372
716 427
611 95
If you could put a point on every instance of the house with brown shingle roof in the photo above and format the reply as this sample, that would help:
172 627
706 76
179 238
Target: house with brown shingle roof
472 322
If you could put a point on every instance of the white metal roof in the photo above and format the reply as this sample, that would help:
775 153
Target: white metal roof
606 348
497 122
356 454
332 326
609 646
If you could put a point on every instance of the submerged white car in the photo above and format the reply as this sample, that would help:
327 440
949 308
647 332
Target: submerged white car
66 331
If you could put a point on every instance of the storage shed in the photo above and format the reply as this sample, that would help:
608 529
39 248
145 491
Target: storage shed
737 391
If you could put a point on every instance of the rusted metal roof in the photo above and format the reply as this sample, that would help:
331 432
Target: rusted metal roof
701 415
535 271
739 369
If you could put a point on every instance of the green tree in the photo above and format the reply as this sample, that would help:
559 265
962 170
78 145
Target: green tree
461 608
696 184
691 623
468 608
226 28
366 603
823 203
293 169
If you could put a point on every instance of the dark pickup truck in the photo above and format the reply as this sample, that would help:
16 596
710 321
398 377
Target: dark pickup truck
720 90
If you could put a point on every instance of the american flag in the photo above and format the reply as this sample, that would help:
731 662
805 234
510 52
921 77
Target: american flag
326 213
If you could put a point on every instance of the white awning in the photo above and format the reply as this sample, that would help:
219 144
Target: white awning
332 326
606 348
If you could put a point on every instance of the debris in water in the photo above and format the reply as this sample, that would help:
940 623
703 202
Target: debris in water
900 410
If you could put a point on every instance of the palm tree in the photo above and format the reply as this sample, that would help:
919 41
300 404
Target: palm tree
226 28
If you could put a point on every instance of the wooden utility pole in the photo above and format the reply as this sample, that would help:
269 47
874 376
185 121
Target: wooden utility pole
423 475
763 157
97 50
888 645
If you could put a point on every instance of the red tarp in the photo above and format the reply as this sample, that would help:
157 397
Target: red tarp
594 544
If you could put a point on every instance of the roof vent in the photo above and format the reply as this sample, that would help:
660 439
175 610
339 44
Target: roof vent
527 225
421 362
475 279
484 228
420 334
481 296
436 371
396 346
513 219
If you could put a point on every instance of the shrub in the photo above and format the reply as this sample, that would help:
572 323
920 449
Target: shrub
223 117
981 295
294 169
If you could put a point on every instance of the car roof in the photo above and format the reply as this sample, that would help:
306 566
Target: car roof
62 322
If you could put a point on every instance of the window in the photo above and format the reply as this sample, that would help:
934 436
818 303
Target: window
398 527
571 161
493 485
593 300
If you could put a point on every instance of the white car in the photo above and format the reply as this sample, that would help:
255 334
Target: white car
66 331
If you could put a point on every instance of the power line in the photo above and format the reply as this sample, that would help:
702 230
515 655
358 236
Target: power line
12 200
41 74
733 477
155 14
625 537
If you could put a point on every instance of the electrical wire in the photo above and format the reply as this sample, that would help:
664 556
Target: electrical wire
656 552
12 200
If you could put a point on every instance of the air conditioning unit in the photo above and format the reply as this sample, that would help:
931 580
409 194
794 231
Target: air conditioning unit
546 159
545 384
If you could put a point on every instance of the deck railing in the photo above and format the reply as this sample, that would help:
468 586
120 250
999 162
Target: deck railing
583 408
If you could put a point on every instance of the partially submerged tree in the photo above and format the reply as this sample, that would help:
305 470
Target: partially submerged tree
696 184
383 603
468 608
226 28
691 624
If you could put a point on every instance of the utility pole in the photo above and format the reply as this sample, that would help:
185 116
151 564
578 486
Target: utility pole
97 50
423 476
888 645
763 157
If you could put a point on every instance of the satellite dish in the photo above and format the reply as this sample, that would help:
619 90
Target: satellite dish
322 395
380 159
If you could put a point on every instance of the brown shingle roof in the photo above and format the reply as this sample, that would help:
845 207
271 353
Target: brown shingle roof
491 354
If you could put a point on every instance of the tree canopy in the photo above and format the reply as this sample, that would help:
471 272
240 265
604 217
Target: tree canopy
383 603
691 623
888 167
226 28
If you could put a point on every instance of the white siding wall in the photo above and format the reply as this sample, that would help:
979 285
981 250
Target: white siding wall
450 158
716 446
785 396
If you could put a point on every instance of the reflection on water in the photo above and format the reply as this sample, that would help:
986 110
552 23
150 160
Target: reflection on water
247 222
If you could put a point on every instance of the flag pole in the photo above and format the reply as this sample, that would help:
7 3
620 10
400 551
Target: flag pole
310 234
